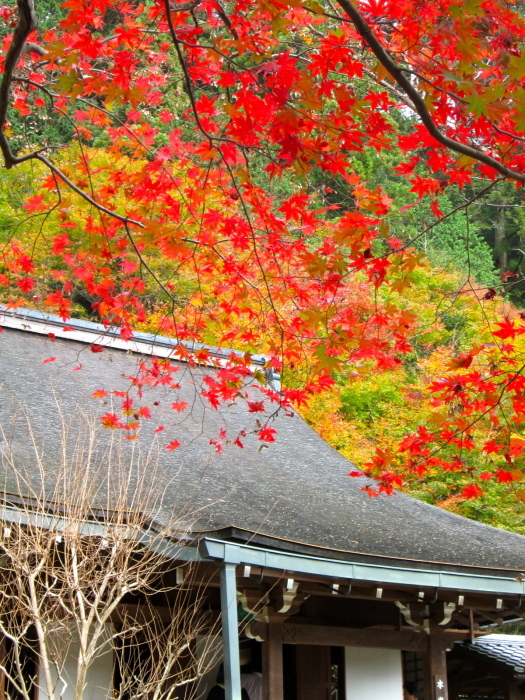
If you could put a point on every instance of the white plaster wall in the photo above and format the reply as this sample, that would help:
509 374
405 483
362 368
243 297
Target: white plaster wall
373 674
99 682
209 655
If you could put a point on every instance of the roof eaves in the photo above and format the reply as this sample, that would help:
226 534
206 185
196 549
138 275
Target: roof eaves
238 535
235 553
59 523
507 649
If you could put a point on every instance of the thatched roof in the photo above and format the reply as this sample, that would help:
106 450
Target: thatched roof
293 494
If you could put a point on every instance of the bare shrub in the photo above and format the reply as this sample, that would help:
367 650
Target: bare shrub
92 568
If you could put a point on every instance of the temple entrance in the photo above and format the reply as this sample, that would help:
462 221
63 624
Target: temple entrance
314 672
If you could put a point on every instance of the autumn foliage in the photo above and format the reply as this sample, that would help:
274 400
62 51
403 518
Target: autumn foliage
191 196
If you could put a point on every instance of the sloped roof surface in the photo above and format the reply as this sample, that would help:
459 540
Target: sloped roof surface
507 648
293 491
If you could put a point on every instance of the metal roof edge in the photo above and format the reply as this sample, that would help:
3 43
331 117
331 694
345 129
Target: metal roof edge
234 553
90 332
238 535
94 528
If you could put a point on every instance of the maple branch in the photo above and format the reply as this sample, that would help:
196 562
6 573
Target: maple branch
184 6
30 47
148 267
212 138
49 164
37 155
53 95
398 74
26 24
227 21
368 263
302 113
449 93
189 84
465 205
492 406
391 89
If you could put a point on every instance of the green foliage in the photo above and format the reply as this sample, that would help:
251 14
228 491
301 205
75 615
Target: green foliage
512 628
497 507
49 13
370 401
369 410
457 245
15 188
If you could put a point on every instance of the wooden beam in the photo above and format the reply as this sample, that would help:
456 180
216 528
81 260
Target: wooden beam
294 633
272 657
316 586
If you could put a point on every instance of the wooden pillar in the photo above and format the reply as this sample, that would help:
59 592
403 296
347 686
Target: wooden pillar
272 662
454 689
435 667
511 689
3 662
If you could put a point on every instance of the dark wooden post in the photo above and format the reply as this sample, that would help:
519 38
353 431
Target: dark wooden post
511 690
272 670
435 667
3 662
453 691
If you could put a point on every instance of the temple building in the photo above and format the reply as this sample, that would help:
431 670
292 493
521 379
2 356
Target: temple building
328 593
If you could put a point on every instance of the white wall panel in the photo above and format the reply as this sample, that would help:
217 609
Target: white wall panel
209 655
373 674
99 682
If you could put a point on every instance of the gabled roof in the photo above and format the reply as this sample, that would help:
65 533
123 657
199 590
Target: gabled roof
292 494
506 648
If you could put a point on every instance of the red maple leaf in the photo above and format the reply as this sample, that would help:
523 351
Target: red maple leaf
507 329
26 284
472 491
111 421
35 204
99 394
173 445
504 477
267 434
